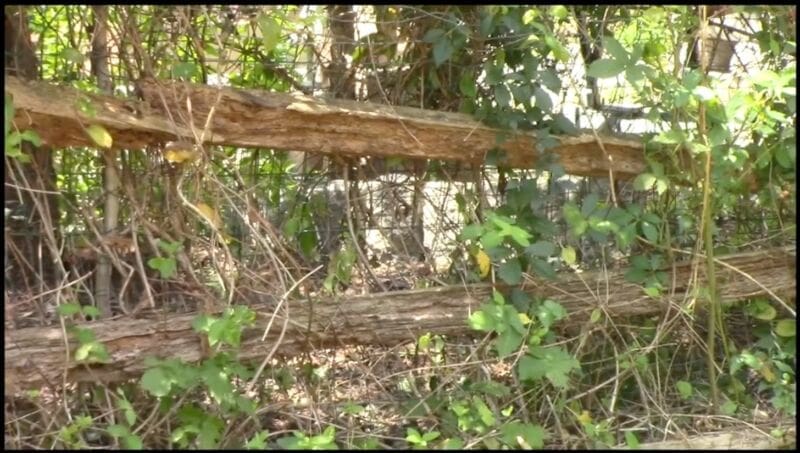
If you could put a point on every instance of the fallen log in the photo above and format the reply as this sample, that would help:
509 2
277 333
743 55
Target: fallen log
755 438
35 356
256 118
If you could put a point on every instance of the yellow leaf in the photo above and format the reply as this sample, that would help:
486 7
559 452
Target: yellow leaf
179 152
484 263
99 135
210 214
585 418
177 157
768 374
568 255
524 319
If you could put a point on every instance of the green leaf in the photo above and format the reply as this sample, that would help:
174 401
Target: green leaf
543 268
91 311
541 248
127 410
82 353
132 442
602 226
762 310
170 248
32 137
72 55
728 408
209 434
491 239
502 96
554 363
9 111
433 35
631 440
519 236
615 49
650 231
671 137
442 50
684 389
510 272
589 204
550 80
167 267
564 124
468 86
634 74
508 342
605 68
652 291
595 316
786 328
523 435
644 181
549 312
219 386
718 135
155 382
270 32
480 321
559 12
258 442
66 310
484 412
99 135
574 219
185 70
118 431
85 336
559 51
786 156
413 436
543 100
308 242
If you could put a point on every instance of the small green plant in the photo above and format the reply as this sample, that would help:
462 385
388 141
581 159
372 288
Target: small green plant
166 379
14 138
71 434
89 349
340 268
420 441
167 265
302 441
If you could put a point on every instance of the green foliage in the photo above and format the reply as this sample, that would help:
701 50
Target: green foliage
167 265
553 363
215 375
226 329
420 441
70 434
14 138
301 441
503 64
340 268
523 435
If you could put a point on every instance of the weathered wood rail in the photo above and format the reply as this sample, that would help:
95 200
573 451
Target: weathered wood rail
36 356
255 118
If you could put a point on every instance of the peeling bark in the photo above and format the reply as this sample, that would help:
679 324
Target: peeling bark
260 119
